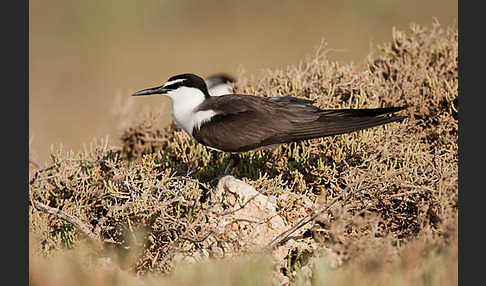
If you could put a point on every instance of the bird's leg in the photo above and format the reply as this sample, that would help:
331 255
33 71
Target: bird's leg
234 160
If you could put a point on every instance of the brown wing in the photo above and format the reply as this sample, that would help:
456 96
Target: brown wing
243 122
246 122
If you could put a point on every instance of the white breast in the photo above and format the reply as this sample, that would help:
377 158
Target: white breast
185 100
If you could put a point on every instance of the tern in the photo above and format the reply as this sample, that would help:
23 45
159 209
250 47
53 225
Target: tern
219 84
236 123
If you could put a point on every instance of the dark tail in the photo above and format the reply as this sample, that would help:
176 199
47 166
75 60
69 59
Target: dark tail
362 112
334 122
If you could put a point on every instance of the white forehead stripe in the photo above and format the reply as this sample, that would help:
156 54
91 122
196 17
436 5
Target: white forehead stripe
173 81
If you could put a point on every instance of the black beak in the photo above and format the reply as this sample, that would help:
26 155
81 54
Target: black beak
154 90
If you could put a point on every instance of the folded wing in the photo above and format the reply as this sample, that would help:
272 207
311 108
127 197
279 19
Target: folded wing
246 122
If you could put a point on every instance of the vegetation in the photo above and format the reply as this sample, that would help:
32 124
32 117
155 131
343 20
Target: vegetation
126 215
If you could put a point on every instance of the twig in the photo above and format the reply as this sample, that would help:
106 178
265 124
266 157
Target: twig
38 172
57 165
188 179
64 216
265 220
237 209
177 199
282 237
285 236
405 193
425 188
198 240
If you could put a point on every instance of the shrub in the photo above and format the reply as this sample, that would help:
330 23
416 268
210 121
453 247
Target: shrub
151 194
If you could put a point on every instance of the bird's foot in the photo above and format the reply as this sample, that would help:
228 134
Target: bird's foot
234 160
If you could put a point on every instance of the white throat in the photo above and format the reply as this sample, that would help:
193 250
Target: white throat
185 101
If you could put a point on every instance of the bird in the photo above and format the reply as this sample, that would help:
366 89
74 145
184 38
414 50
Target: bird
219 84
236 123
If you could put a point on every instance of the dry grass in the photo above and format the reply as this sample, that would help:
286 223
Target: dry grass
148 201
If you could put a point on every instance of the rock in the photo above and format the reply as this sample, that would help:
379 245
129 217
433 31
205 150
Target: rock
249 215
242 220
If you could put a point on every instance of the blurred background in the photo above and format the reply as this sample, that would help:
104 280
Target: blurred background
87 57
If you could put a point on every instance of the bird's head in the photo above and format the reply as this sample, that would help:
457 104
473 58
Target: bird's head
178 87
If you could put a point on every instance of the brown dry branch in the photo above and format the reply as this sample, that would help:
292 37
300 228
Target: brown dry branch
284 236
237 209
83 227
